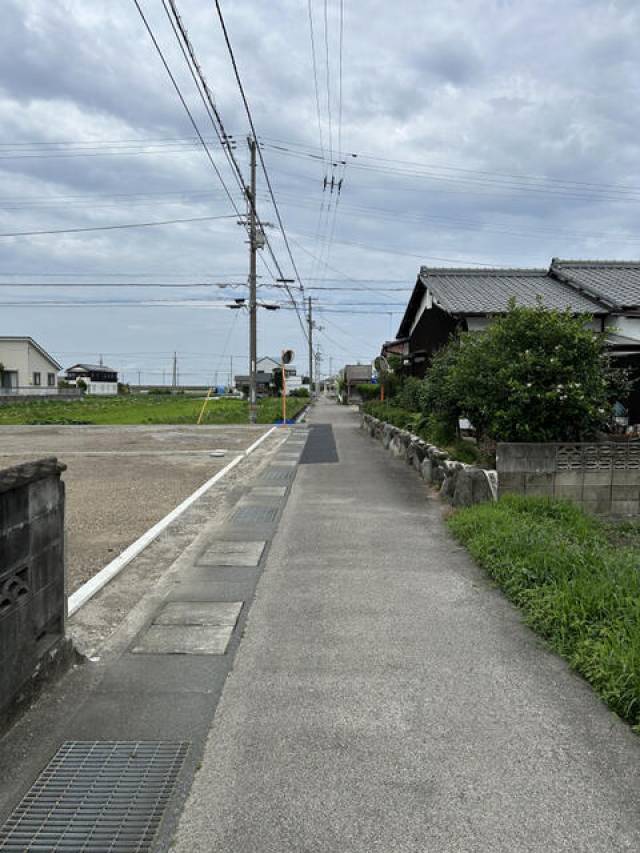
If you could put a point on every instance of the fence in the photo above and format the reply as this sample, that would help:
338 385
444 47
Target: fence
32 580
603 477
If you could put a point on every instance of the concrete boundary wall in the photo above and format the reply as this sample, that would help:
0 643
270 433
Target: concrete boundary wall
32 581
602 477
460 484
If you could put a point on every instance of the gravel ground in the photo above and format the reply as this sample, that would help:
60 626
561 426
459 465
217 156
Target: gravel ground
121 480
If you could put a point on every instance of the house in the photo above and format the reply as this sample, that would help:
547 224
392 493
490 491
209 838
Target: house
27 368
98 378
354 375
447 300
264 383
268 365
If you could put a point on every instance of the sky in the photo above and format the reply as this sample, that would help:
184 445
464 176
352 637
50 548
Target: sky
460 133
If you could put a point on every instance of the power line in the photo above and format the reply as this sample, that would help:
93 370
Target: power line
112 227
328 79
340 76
253 131
315 76
184 104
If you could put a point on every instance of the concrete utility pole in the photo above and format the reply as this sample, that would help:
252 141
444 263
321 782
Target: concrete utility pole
174 382
253 311
230 371
310 323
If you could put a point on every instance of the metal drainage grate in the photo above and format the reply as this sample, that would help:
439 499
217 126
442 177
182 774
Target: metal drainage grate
96 796
255 514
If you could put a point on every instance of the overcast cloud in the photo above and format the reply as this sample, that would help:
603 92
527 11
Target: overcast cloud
505 133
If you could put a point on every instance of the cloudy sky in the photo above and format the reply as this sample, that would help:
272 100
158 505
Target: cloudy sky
500 133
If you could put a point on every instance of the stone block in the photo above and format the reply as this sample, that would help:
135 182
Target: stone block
426 469
512 482
526 457
184 640
625 508
230 553
44 495
15 546
626 477
14 507
596 493
625 492
568 478
224 613
597 478
472 486
539 483
570 493
45 530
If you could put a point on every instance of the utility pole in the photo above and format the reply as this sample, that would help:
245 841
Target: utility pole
230 371
253 329
310 322
139 379
174 377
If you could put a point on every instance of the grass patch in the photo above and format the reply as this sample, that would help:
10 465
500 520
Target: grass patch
576 584
142 409
462 451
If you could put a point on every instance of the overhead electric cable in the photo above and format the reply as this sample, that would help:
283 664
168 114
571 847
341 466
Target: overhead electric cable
112 227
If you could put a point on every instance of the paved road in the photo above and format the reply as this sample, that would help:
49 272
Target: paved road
386 698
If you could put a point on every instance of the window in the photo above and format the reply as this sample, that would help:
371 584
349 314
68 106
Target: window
36 378
51 379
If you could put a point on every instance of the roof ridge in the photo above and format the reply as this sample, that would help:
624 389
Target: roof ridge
496 272
594 263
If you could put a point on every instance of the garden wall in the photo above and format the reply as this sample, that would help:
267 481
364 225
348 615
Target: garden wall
603 477
32 581
460 484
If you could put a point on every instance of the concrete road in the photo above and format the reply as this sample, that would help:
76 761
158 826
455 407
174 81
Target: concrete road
386 698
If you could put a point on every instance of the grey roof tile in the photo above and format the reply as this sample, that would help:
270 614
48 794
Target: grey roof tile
615 281
488 291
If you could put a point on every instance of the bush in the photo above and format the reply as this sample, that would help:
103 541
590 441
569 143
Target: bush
159 391
300 392
533 375
368 391
581 593
411 394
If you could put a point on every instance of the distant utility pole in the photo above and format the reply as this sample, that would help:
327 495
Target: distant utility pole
174 381
310 323
139 379
230 371
253 311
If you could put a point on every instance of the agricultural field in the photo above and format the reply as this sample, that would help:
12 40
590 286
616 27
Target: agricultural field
142 409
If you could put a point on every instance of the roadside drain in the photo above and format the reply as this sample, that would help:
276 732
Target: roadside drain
97 795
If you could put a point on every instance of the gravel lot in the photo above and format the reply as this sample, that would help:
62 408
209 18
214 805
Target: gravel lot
121 480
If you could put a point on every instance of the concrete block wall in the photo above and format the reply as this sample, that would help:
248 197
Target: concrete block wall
603 477
32 579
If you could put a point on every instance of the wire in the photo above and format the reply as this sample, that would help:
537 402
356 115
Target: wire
328 79
184 104
112 227
253 131
315 76
340 76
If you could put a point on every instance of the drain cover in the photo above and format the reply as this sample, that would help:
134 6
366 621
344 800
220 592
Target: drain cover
255 514
97 796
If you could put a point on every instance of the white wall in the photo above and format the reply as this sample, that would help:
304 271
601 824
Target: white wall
101 387
26 359
629 327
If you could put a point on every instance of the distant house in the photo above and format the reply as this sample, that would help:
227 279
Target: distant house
264 383
354 375
268 365
27 368
98 378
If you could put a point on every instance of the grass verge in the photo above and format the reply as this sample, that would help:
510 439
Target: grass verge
142 409
576 584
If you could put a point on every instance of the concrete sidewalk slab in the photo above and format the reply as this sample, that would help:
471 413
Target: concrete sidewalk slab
386 697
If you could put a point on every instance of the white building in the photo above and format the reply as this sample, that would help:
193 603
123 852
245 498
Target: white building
97 378
26 367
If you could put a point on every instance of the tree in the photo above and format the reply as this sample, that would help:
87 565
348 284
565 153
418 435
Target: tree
534 375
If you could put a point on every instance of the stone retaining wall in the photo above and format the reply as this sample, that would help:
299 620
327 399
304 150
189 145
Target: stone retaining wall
32 581
460 484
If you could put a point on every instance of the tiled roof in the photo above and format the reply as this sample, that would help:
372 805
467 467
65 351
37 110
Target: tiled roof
488 291
617 282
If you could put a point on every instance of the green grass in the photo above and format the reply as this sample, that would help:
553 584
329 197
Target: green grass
462 451
576 580
142 409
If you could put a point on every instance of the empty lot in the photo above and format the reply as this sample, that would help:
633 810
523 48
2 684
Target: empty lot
120 480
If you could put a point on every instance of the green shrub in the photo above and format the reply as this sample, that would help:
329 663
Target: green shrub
534 375
368 391
300 392
576 589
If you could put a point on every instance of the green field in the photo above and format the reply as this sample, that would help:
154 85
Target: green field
142 409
